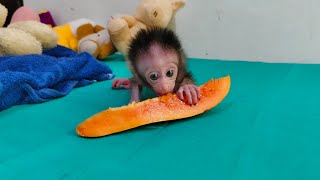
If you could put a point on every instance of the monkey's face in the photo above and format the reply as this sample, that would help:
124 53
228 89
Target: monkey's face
160 71
162 78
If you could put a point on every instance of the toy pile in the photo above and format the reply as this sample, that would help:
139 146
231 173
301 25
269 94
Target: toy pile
34 68
41 61
84 35
31 33
25 34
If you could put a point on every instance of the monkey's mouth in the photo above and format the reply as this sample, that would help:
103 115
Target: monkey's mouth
163 93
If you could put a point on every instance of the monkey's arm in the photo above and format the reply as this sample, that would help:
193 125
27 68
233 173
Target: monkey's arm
135 91
129 84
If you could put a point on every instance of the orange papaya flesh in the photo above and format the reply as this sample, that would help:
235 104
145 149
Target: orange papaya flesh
165 108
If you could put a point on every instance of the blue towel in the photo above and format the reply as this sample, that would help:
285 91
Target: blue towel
30 79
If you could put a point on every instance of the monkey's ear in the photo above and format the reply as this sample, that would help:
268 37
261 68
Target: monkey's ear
177 4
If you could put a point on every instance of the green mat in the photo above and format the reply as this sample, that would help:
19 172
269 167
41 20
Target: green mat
266 128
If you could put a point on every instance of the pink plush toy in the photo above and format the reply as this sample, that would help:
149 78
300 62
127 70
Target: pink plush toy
24 13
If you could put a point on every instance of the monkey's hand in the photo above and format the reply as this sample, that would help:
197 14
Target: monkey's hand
121 83
190 92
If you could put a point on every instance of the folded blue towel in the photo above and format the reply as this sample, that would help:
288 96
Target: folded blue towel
30 79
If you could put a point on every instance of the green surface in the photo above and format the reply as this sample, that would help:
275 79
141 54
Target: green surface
266 128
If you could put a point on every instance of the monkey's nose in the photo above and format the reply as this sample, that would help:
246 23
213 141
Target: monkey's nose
166 89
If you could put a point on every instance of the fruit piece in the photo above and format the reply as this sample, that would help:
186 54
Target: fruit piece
164 108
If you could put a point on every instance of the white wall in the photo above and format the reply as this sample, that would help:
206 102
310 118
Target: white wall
257 30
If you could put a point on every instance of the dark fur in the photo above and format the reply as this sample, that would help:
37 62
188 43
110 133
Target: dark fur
168 40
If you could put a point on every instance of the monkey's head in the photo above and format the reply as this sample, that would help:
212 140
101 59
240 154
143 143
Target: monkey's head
157 58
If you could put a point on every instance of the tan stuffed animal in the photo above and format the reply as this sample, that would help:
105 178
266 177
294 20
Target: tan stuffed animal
3 15
148 13
24 37
95 40
10 37
43 33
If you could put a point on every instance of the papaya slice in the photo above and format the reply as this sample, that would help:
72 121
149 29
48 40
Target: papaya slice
165 108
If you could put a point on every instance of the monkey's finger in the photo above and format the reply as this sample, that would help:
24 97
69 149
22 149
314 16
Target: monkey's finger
118 84
115 82
180 93
188 94
194 95
198 91
126 83
126 86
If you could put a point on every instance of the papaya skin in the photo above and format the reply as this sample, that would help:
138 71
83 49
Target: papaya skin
165 108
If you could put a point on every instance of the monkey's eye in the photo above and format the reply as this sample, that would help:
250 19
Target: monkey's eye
169 73
154 76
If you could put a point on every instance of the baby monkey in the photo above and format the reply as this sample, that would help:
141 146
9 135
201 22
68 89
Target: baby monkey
157 61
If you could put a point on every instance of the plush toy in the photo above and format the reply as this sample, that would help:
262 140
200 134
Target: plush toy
25 34
3 14
96 41
84 35
10 39
43 33
70 33
148 13
24 13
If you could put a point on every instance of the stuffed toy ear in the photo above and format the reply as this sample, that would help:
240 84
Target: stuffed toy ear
84 30
177 4
130 20
98 28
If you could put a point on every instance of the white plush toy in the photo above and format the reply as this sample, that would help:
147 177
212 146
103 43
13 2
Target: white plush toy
24 37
